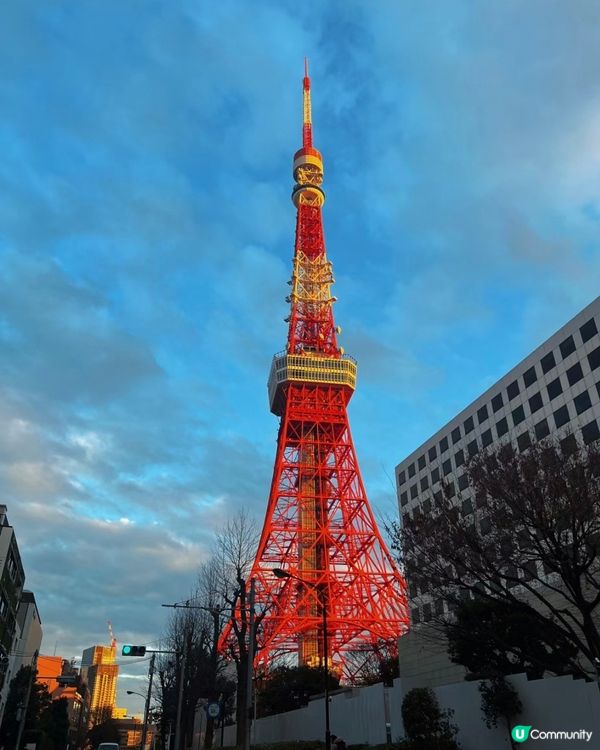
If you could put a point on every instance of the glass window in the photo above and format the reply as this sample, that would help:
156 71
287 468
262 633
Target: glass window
497 402
401 477
530 376
513 389
548 362
535 402
413 491
568 445
424 483
486 438
404 498
427 506
472 448
450 490
432 453
447 467
518 415
574 374
594 358
524 441
427 612
467 507
502 427
463 482
588 330
582 402
411 470
459 458
416 615
421 462
482 414
590 432
468 425
455 435
554 388
435 475
541 429
561 416
567 347
443 445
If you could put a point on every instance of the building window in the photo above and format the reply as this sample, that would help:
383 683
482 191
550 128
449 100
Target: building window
486 438
413 491
594 358
416 615
548 362
482 414
450 490
468 425
443 445
427 506
459 458
590 432
497 402
574 374
463 482
432 453
455 435
567 347
554 389
447 467
11 566
561 416
467 507
541 429
588 330
435 475
424 483
404 498
3 606
401 477
524 441
426 612
518 415
502 427
582 402
568 445
472 448
411 470
421 462
529 376
535 402
513 390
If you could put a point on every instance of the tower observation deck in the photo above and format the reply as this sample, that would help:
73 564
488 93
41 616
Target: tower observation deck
319 526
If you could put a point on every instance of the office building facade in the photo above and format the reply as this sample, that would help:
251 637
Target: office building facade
100 672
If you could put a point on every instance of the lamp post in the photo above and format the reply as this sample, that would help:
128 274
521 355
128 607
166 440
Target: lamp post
146 698
321 592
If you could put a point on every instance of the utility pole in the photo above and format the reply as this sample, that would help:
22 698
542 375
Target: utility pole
250 668
180 697
26 702
147 707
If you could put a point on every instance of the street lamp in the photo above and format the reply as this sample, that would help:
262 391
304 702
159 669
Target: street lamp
147 699
132 692
280 573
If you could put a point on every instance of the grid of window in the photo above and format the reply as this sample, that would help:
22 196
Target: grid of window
513 390
588 330
435 475
529 376
548 362
567 347
561 416
424 483
472 448
414 491
463 482
554 388
404 498
568 444
447 467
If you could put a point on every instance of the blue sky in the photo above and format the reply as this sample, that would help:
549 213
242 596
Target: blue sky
146 235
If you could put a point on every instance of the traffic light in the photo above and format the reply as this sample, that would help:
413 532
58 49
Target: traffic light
133 650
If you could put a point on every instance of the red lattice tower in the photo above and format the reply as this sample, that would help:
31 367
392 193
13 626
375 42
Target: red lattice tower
319 526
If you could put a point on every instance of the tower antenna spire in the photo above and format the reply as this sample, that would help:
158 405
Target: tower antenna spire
307 117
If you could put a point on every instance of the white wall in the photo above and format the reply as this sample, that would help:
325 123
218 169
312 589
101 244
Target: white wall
358 716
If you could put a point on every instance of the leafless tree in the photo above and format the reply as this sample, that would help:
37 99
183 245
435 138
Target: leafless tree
533 535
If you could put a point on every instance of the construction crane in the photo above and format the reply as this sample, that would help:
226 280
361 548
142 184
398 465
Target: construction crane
113 640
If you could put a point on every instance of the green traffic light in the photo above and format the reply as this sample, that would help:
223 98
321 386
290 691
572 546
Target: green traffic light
126 650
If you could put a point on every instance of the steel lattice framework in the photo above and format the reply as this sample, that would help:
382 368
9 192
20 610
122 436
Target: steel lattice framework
319 525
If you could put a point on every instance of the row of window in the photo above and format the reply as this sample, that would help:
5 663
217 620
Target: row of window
589 433
574 374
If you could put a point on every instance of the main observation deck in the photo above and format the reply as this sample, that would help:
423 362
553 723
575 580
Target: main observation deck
308 368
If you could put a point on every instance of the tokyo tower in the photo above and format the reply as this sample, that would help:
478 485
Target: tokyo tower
319 527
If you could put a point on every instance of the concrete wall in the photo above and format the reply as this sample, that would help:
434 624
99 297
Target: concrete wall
359 715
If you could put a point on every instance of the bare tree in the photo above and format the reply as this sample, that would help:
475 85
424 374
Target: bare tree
533 536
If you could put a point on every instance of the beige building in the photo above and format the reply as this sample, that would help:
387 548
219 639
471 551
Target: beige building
100 672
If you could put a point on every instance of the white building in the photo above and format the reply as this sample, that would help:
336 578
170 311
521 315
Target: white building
555 391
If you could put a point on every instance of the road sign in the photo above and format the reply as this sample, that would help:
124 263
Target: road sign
213 710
